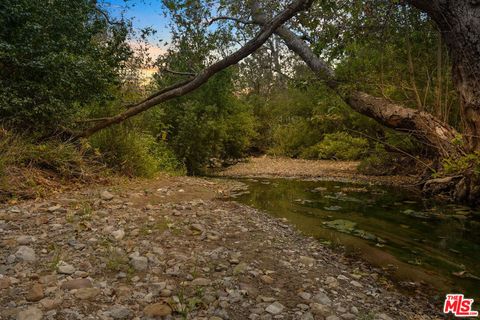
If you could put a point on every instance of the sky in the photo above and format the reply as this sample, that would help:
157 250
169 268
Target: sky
145 13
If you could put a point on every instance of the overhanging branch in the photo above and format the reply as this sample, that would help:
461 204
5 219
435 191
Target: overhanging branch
183 88
238 20
422 124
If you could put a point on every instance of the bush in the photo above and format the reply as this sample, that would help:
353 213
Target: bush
380 162
339 146
209 123
290 139
29 169
134 153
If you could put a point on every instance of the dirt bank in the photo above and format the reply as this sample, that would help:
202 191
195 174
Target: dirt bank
268 167
174 247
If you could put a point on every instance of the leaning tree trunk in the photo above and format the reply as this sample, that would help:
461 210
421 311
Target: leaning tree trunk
185 87
424 126
437 134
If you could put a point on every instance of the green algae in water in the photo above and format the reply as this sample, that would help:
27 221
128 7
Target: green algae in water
341 225
425 240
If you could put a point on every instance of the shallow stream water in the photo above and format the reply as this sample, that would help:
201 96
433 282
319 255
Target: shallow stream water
415 239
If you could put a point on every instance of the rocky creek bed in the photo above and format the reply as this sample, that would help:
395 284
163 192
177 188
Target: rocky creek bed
174 248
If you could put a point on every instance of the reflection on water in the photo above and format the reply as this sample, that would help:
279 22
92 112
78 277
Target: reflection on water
421 240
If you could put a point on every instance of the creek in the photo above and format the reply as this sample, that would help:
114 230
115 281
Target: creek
414 239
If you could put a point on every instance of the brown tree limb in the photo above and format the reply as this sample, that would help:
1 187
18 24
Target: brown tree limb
262 36
180 73
238 20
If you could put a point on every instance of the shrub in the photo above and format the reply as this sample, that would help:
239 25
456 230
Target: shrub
381 162
134 153
56 57
29 169
290 139
339 146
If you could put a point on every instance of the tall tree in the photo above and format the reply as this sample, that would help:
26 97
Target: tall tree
55 58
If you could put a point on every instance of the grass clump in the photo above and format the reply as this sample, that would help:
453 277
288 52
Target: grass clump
60 157
29 168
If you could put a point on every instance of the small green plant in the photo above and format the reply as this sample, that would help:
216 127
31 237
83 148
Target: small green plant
117 262
57 257
186 305
469 162
458 140
85 211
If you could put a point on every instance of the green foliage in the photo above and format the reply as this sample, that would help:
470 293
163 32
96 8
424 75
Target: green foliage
209 123
290 139
55 58
390 50
339 146
378 162
467 163
133 153
298 117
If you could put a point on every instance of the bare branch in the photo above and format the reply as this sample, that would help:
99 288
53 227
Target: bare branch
238 20
297 45
107 18
180 73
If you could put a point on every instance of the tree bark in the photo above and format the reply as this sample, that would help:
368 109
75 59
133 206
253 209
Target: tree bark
423 125
185 87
